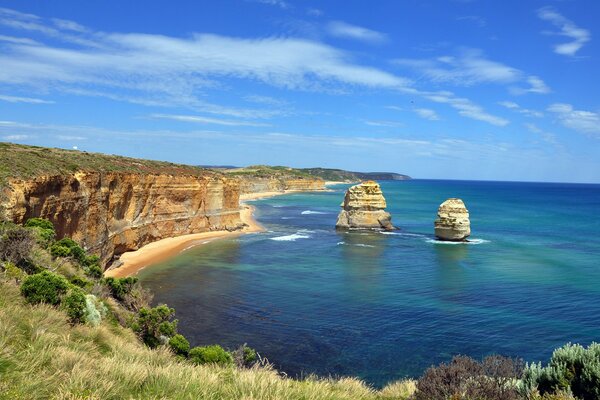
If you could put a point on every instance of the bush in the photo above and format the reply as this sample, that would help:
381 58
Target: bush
58 250
120 287
95 310
244 356
179 345
80 282
67 247
464 378
16 243
94 271
44 287
214 354
155 325
75 305
11 271
44 229
572 368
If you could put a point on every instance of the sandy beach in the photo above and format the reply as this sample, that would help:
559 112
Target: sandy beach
161 250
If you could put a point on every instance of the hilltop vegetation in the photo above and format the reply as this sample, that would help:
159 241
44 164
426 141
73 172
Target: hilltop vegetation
24 162
339 175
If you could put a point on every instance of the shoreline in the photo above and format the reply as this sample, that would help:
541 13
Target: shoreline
161 250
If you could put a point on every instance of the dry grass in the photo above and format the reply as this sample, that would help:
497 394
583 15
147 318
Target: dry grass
43 357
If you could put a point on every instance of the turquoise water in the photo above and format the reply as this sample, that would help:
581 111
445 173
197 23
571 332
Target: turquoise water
384 306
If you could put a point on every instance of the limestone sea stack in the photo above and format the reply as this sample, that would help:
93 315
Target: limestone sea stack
364 208
453 223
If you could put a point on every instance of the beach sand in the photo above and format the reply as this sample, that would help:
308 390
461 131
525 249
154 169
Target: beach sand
164 249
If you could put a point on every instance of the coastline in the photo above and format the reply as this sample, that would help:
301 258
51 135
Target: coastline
161 250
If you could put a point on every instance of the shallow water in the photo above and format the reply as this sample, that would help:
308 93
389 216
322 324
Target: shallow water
387 305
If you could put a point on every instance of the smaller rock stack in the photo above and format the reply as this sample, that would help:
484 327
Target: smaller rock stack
364 208
453 222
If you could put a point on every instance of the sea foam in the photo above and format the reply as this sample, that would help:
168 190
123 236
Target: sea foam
291 238
309 212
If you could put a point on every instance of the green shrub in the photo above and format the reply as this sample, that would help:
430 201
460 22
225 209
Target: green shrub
75 305
244 356
91 260
155 325
44 287
94 271
11 271
214 354
39 223
572 368
16 243
58 250
67 247
80 282
120 287
179 345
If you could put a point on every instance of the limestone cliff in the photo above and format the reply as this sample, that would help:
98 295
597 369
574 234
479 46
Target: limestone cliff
113 212
453 222
364 207
251 185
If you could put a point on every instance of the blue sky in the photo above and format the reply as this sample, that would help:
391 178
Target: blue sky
454 89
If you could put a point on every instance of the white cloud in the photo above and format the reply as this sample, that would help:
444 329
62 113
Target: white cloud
384 124
427 113
15 99
578 36
470 67
315 12
344 30
536 85
70 137
547 137
515 107
206 120
16 137
587 122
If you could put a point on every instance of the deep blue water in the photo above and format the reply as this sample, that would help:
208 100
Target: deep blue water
384 306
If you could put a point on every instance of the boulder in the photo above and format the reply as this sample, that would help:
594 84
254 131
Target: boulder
364 208
453 223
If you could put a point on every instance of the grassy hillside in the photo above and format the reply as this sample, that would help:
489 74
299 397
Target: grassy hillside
267 171
339 175
20 161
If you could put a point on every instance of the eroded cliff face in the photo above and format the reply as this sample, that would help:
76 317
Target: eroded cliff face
364 208
110 213
252 185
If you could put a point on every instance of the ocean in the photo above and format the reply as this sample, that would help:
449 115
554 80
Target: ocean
387 305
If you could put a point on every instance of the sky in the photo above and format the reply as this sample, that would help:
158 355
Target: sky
442 89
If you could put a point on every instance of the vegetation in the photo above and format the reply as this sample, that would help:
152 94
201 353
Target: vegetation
24 162
267 171
66 334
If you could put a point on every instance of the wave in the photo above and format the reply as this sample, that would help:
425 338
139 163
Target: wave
402 234
291 238
470 241
356 244
287 217
309 212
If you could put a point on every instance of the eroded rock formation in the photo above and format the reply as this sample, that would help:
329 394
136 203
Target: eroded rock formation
364 208
110 213
453 222
252 185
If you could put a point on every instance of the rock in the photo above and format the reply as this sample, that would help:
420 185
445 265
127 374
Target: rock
364 207
453 222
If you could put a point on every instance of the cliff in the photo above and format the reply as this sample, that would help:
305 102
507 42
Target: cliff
349 176
110 213
111 204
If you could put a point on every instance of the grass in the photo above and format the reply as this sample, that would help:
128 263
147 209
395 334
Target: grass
266 171
25 162
42 356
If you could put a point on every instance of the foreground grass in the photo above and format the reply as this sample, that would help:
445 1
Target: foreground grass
42 356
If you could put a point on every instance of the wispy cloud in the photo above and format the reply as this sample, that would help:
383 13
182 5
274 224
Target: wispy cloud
384 124
468 68
547 137
30 100
578 36
344 30
15 137
587 122
206 120
427 113
517 108
314 12
278 3
475 19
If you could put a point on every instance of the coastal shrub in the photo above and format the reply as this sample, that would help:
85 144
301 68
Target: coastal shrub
94 271
155 325
95 310
16 243
214 354
12 272
120 287
44 287
179 345
67 247
495 378
74 305
400 390
571 369
244 356
58 250
44 229
80 282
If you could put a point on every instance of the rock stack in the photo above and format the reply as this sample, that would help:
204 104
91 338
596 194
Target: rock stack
364 208
453 222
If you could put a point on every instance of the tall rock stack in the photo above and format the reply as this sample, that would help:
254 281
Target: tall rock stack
453 222
364 208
